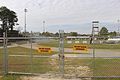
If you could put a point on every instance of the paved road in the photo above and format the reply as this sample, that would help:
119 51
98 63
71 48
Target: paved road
98 52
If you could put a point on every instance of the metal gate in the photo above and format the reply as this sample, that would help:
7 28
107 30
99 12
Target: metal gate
28 55
34 55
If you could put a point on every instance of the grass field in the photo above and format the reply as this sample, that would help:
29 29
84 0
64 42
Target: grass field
107 79
24 51
55 43
102 67
23 64
11 77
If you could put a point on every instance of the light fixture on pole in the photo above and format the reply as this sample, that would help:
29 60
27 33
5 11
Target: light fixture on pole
118 27
43 26
25 10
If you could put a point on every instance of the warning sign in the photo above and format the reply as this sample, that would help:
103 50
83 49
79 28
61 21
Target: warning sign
80 47
44 50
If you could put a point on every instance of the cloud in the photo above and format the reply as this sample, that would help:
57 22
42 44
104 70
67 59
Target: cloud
64 12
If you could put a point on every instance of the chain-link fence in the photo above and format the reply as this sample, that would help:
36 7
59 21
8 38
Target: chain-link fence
1 56
101 61
106 58
52 56
29 56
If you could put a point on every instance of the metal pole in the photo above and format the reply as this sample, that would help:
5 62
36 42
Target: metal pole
31 55
118 28
5 58
93 53
93 38
43 26
94 27
61 52
6 54
25 10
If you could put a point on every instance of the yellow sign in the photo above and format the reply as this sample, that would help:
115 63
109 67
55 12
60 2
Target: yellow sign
80 47
44 50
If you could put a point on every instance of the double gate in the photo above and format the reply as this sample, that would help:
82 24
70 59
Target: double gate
33 55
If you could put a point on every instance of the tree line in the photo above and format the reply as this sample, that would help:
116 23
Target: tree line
105 33
8 19
102 33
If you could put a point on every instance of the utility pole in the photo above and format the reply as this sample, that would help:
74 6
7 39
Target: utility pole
43 26
118 27
25 10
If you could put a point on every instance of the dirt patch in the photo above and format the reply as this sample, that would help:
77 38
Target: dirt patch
39 78
73 71
77 71
46 77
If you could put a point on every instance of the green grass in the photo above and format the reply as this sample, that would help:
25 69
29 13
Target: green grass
11 77
1 44
66 45
40 65
107 79
24 51
107 67
103 67
23 64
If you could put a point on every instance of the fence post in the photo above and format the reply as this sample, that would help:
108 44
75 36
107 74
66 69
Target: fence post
5 55
95 33
61 52
31 55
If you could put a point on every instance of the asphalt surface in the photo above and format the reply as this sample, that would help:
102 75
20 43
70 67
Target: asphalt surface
106 53
111 53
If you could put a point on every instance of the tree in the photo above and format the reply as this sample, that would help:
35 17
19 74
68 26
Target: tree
56 34
73 34
47 34
112 34
0 32
8 18
103 32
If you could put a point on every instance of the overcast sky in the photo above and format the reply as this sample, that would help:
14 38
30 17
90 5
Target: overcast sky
70 15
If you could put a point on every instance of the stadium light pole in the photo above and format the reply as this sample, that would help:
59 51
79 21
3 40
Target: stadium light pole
118 27
43 26
25 10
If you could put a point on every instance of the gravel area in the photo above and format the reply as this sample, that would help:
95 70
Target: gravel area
51 78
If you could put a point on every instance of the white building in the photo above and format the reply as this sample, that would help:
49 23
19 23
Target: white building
78 37
116 38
